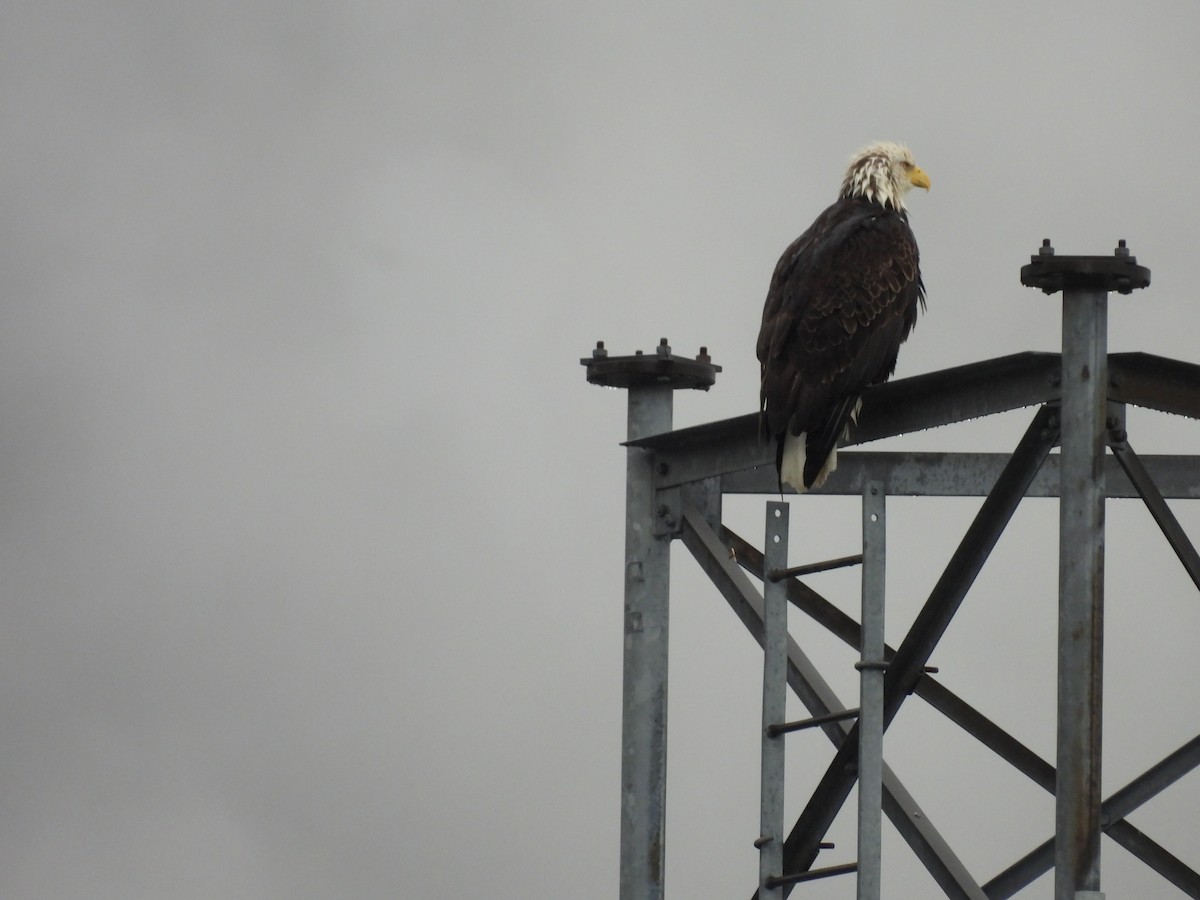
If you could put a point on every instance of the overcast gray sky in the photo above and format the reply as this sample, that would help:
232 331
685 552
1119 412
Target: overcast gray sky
312 529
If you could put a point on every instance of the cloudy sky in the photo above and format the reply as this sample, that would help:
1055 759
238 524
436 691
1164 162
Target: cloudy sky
312 528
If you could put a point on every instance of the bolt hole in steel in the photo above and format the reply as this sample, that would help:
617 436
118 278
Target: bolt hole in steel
874 517
775 538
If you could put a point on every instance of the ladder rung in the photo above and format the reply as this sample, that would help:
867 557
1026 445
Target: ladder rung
812 875
839 563
786 727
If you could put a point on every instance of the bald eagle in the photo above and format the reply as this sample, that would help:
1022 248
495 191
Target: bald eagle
843 298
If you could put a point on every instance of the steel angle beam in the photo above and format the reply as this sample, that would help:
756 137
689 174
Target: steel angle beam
1040 860
933 474
1157 504
819 698
908 404
1155 382
1156 856
956 395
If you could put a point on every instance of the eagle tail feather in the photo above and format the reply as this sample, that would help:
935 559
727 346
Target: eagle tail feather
791 461
791 455
820 457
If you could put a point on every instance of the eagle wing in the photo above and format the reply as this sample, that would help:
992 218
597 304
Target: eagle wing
843 298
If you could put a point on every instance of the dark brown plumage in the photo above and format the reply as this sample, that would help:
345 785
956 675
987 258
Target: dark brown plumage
843 298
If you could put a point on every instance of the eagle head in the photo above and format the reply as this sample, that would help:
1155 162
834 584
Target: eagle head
883 173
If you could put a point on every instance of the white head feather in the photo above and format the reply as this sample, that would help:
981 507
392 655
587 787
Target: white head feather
883 172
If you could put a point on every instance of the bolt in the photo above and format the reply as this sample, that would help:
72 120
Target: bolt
1121 250
704 357
1046 249
637 352
664 349
599 352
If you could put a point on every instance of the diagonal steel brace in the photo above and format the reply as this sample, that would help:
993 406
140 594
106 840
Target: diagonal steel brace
1157 505
819 698
802 844
994 738
1113 812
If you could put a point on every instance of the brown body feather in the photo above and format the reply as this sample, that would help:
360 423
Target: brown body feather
843 298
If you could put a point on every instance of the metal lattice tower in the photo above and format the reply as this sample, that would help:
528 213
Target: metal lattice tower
675 481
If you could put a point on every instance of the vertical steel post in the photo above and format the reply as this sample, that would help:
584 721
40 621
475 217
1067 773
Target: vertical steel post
1085 282
650 524
774 708
644 694
1081 590
871 674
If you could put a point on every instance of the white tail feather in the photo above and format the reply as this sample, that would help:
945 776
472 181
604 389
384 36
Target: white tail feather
791 467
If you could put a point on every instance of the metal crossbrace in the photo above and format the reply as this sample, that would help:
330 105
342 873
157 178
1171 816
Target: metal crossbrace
1171 529
902 809
1112 815
800 848
1009 749
929 689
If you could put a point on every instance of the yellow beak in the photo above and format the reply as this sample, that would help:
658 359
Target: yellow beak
918 177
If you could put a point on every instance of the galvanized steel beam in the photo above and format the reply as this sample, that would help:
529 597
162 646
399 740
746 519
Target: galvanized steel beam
871 667
1081 590
933 474
651 381
898 407
644 692
1157 504
1155 382
774 705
